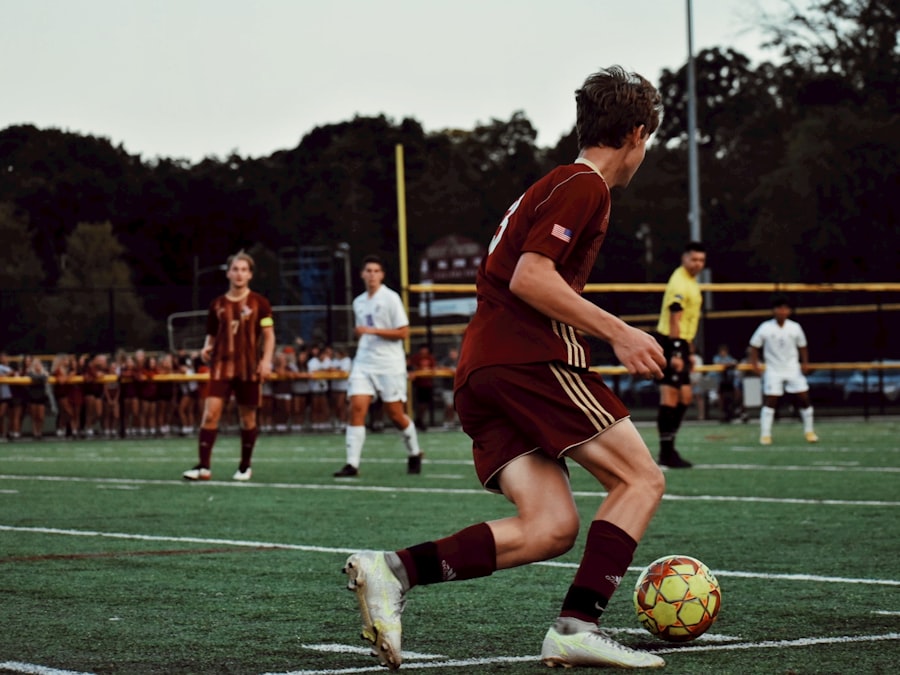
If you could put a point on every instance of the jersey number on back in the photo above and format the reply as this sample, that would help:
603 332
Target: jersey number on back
501 228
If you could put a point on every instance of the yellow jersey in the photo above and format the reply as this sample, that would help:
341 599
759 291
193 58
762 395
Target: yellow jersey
682 290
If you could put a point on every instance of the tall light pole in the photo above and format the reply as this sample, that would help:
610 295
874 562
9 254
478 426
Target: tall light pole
694 171
693 164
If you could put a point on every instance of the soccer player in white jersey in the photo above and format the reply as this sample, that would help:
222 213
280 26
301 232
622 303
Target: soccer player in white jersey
784 350
379 367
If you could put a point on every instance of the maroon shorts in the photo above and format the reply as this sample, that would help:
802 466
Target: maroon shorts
514 410
246 393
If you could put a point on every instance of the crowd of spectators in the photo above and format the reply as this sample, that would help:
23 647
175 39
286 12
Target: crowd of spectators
127 394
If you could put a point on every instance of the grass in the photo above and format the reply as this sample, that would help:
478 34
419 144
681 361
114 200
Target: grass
109 563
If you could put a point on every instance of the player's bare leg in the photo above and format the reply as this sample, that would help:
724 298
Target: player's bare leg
620 460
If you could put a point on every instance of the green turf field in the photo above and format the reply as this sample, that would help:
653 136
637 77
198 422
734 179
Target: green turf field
109 563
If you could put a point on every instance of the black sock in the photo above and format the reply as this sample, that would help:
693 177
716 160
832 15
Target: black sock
680 409
665 424
248 442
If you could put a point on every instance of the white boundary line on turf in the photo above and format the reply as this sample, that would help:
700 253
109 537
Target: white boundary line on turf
469 663
823 467
779 644
801 467
325 549
34 669
346 486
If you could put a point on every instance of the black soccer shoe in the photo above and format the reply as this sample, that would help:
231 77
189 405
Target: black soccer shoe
346 471
414 464
674 461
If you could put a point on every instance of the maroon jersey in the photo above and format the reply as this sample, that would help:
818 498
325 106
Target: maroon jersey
237 328
563 216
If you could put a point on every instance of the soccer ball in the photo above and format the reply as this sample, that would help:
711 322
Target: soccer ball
677 598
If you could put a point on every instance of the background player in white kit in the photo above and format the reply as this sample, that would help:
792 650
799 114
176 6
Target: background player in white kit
784 350
379 367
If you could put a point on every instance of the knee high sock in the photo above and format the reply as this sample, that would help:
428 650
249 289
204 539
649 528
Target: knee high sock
680 409
806 414
468 554
206 443
248 442
766 417
607 554
411 439
355 437
666 424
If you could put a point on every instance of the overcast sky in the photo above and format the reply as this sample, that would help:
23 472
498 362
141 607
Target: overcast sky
195 78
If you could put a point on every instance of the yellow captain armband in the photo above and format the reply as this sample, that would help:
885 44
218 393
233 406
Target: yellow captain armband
266 322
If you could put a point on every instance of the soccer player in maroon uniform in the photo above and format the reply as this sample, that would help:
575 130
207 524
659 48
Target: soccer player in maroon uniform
240 341
525 395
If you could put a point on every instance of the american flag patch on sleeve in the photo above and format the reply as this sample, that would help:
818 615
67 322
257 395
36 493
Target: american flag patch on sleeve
560 232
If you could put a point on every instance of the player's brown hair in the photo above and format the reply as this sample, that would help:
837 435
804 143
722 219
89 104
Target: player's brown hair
611 104
372 258
241 255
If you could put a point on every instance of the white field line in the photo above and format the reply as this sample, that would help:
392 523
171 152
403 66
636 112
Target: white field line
800 467
411 658
326 549
352 486
164 457
470 663
781 644
820 450
34 669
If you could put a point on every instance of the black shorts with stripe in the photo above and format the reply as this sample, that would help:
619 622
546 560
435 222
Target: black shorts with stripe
677 373
514 410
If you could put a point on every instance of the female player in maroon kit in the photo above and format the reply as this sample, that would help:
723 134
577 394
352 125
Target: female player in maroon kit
240 340
525 395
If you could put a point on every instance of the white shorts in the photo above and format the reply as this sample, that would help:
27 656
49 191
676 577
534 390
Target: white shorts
388 388
776 383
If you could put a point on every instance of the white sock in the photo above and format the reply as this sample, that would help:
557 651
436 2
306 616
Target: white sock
356 436
766 417
806 414
411 439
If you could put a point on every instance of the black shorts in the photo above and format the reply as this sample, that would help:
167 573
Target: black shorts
679 374
423 395
248 394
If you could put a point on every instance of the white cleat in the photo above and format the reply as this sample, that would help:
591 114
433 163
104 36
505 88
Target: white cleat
570 642
197 473
242 475
381 601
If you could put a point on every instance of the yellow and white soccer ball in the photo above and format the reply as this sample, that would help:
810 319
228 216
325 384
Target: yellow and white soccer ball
677 598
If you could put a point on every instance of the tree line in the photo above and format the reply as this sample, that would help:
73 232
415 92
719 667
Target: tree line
798 173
